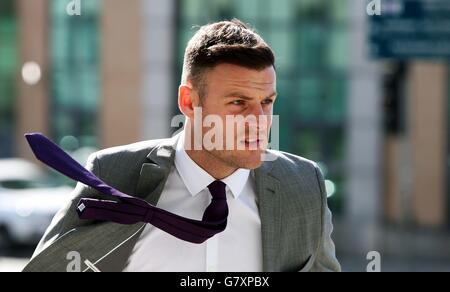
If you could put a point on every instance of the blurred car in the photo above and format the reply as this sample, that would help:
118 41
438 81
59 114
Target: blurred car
28 201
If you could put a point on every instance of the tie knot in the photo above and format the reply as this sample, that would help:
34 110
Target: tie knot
217 189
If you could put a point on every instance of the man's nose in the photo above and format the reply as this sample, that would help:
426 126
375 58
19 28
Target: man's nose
258 110
260 121
263 117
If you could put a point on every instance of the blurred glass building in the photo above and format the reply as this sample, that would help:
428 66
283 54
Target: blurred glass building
379 129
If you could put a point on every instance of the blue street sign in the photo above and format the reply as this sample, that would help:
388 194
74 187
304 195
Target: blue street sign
411 29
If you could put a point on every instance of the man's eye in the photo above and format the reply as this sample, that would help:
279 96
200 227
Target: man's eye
237 102
267 101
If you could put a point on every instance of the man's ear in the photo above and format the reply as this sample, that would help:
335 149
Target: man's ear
186 100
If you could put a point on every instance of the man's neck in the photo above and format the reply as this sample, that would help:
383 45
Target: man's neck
211 164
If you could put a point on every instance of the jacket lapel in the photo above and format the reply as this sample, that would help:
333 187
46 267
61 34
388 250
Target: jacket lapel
155 171
268 200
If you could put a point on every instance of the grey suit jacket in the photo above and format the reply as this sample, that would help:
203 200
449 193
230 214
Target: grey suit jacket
295 220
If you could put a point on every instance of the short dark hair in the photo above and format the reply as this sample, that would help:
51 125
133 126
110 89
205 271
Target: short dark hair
230 42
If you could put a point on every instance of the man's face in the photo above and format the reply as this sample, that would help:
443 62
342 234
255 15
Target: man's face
239 93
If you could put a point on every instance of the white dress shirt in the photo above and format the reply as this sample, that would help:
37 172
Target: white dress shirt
237 249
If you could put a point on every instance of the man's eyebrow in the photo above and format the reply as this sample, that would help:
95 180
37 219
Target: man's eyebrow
243 96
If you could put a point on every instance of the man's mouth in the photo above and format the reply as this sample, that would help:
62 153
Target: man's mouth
253 143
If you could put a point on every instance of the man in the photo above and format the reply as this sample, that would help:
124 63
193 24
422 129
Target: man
278 216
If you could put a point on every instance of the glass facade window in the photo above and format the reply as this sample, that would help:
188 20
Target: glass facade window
75 78
8 68
309 38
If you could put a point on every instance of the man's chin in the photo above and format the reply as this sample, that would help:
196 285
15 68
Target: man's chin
251 162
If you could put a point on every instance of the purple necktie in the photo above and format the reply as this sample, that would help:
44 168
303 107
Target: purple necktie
131 210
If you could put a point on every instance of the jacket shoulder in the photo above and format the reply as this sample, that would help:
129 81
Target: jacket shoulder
138 148
294 164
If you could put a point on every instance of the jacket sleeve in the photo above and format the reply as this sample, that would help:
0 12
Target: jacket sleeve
325 260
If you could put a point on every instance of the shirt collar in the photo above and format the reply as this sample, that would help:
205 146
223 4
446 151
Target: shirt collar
196 179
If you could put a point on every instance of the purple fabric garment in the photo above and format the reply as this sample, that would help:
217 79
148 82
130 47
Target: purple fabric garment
131 210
